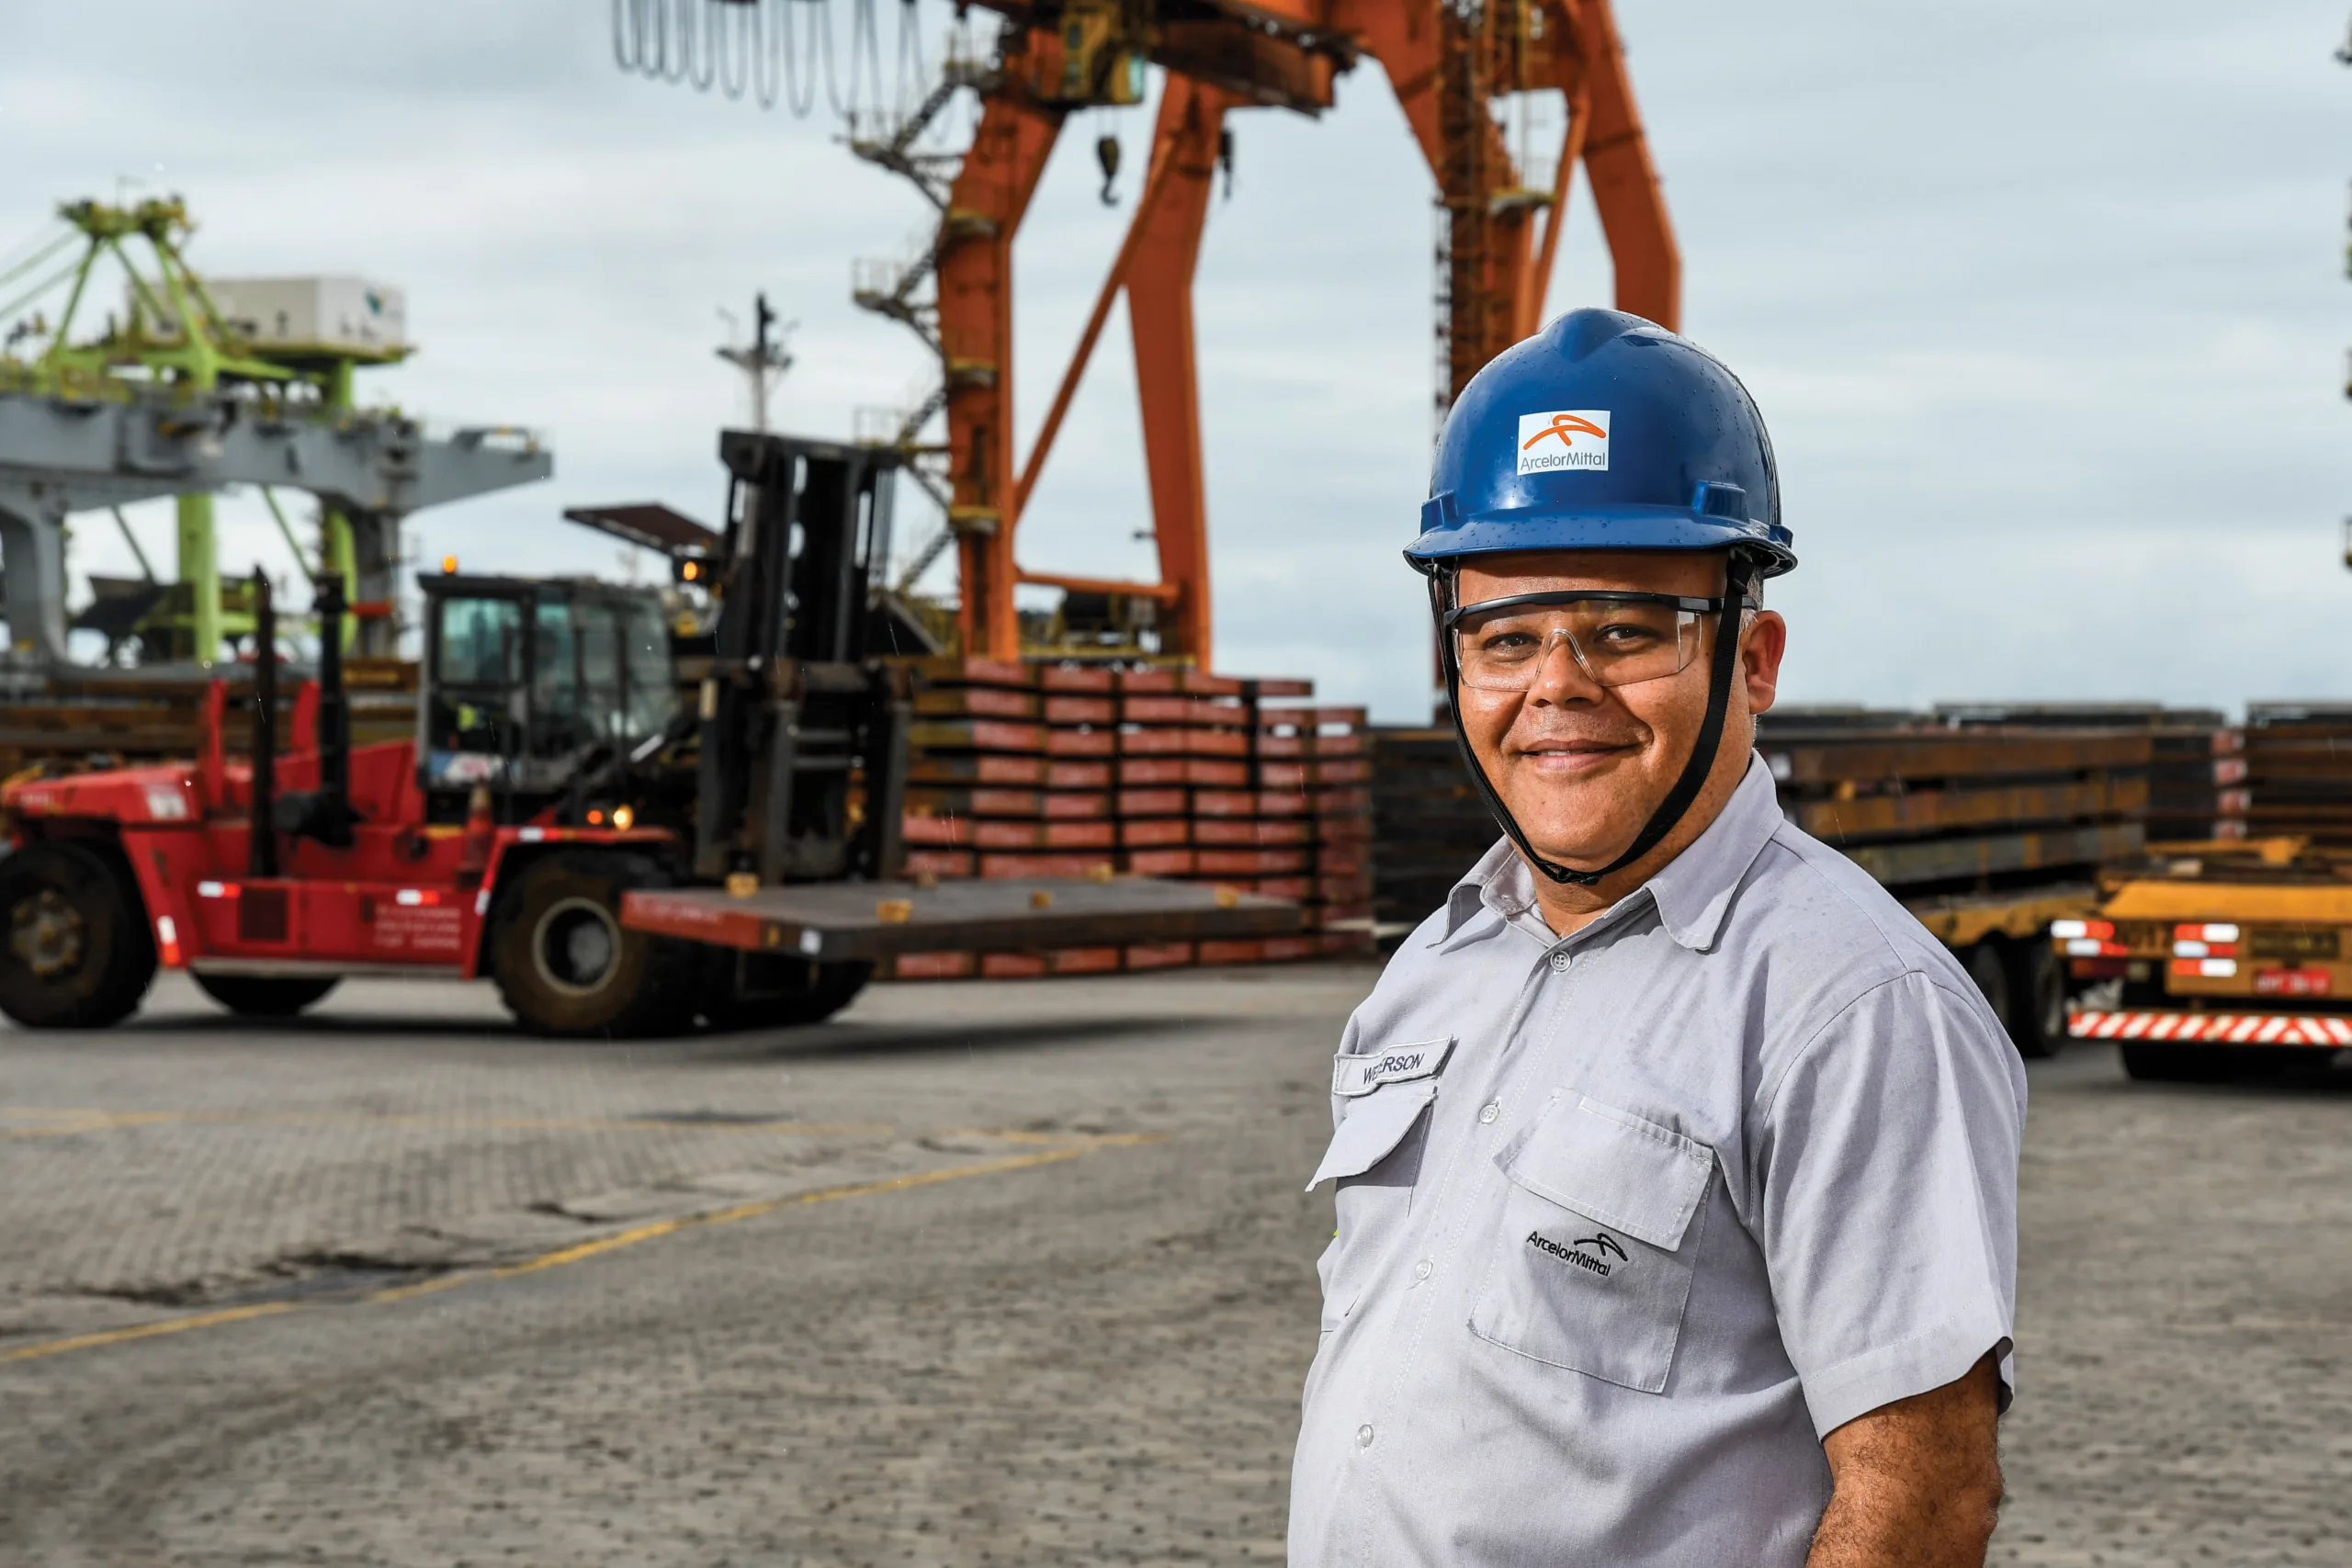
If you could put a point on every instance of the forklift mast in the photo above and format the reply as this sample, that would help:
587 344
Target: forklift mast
803 736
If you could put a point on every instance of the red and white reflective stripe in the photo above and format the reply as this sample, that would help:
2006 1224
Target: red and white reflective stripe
2234 1028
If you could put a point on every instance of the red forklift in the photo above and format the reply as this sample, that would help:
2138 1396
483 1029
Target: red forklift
616 858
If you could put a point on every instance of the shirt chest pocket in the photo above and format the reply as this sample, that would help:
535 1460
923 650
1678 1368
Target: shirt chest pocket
1602 1222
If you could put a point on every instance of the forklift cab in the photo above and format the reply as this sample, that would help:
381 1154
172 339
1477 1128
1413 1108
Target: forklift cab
528 681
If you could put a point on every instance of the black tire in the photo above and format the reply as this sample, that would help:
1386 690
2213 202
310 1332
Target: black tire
563 963
267 996
76 952
2276 1061
2036 1010
1988 967
803 993
2164 1062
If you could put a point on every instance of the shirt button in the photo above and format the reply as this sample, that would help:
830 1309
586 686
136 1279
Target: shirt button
1560 962
1488 1112
1422 1270
1363 1437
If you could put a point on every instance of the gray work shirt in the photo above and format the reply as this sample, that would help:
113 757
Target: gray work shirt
1628 1221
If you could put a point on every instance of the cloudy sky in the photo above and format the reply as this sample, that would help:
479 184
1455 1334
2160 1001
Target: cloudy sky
2045 305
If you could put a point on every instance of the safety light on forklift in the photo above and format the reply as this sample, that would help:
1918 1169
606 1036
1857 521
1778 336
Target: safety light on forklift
2217 933
449 566
2092 947
2205 968
2185 949
2065 930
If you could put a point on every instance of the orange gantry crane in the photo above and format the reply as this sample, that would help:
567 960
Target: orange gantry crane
1448 65
1453 65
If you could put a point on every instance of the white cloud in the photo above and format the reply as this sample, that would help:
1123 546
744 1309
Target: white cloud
2044 304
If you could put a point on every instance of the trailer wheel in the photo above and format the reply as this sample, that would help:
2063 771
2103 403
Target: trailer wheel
565 964
2153 1062
266 996
74 949
2037 997
1989 968
811 994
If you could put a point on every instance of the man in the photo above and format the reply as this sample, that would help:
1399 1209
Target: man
1677 1164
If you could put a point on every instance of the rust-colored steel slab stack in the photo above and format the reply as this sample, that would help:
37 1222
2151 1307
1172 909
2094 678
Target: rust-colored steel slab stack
2299 767
1022 768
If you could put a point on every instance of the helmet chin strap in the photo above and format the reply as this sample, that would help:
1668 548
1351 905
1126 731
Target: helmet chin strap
1739 575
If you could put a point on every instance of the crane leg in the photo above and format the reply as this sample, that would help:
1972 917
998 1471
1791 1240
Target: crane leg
985 208
1625 181
1496 277
1160 314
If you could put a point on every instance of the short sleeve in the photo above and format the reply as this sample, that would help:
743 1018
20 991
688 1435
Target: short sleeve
1886 1185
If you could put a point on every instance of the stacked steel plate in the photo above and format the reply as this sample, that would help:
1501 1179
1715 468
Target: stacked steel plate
1428 825
2197 773
1027 770
106 717
2299 767
1925 805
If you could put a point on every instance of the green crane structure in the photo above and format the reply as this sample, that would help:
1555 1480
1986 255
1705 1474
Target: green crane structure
180 376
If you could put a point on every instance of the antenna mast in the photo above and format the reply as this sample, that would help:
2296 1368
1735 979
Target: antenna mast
764 360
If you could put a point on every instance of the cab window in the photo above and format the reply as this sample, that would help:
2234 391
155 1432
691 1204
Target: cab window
652 677
557 726
478 652
481 642
597 629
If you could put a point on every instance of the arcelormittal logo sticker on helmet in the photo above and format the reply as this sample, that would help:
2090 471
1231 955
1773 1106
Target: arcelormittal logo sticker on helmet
1571 438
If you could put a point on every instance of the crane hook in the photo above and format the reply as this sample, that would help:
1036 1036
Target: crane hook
1106 153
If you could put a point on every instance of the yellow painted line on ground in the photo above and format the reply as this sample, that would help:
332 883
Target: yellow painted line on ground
581 1253
67 1124
149 1330
64 1123
1016 1135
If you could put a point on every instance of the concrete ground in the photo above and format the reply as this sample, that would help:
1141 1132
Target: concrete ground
1012 1273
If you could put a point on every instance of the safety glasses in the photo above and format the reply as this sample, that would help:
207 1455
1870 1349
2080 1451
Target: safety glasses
1616 638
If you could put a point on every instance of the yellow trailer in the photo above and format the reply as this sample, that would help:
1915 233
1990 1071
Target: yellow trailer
2205 960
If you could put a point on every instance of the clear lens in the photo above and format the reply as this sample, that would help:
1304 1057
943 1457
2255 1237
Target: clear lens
1615 644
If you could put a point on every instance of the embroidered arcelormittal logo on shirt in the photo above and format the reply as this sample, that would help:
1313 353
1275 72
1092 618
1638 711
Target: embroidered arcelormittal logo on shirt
1589 1253
1563 438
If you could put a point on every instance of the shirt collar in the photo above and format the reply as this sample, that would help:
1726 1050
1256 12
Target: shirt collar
1692 891
1498 886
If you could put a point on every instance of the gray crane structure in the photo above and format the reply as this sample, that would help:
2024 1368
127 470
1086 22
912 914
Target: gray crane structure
60 456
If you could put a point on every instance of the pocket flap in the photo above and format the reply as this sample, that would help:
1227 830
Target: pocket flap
1372 1129
1612 1165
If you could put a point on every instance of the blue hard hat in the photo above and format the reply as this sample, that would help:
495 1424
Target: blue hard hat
1604 431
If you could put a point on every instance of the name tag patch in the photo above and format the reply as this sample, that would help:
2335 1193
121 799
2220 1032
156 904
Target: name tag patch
1359 1073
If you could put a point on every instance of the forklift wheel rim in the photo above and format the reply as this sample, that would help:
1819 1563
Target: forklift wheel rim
551 938
46 933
